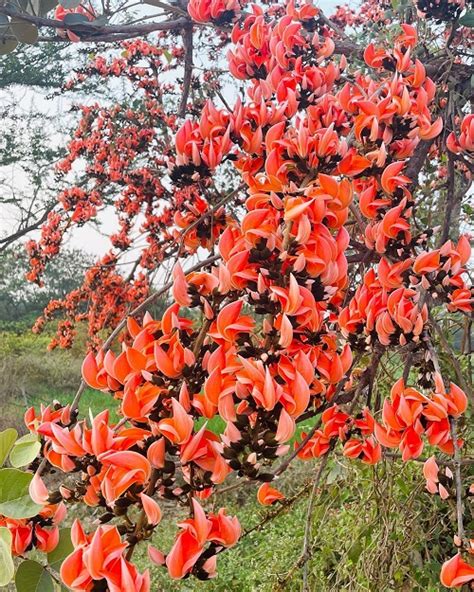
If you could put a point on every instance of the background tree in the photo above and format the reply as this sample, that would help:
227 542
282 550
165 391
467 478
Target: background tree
21 300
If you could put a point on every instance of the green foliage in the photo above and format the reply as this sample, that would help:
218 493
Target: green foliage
7 569
31 375
21 300
468 19
25 450
7 440
15 500
41 66
32 577
373 529
70 3
64 548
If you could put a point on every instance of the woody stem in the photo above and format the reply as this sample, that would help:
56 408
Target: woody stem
201 336
141 522
457 478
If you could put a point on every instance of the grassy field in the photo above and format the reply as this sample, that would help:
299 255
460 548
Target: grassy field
372 529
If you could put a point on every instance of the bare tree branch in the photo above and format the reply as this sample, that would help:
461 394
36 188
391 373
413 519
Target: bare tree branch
92 32
188 68
11 238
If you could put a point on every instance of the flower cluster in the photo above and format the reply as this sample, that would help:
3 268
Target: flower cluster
409 414
219 12
356 433
99 557
464 142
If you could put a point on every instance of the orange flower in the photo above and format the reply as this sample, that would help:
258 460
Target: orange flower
47 539
172 362
99 558
224 530
151 508
430 472
195 532
268 495
204 450
465 141
179 426
60 13
317 446
212 10
368 451
230 323
456 572
22 534
123 469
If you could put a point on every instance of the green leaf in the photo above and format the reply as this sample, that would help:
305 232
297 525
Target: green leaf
25 450
74 18
7 46
7 569
100 21
468 19
32 577
25 32
7 439
15 500
63 549
4 23
41 7
355 551
70 3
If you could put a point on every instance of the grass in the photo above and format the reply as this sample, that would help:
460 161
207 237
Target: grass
30 376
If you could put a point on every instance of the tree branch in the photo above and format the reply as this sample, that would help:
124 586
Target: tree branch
8 240
188 68
91 32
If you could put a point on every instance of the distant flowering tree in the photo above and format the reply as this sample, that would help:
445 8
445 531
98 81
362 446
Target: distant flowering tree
325 206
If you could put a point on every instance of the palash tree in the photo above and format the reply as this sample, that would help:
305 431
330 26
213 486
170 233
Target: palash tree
321 180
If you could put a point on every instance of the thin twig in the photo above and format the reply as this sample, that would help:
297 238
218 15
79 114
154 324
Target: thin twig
92 32
457 478
284 465
423 459
309 520
284 505
449 205
305 553
457 367
142 519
